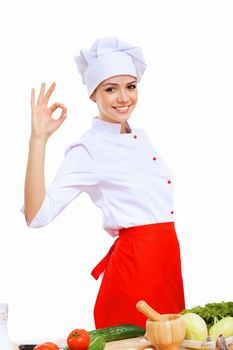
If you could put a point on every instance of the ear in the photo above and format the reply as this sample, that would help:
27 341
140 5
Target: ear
92 97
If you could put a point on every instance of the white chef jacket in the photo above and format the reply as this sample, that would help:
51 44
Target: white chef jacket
122 174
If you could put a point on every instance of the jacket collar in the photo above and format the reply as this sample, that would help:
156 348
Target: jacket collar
100 125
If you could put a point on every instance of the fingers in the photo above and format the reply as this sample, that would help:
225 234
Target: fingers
56 106
41 94
44 98
49 92
62 117
33 99
63 114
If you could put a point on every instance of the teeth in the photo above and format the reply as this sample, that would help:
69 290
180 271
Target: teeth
122 109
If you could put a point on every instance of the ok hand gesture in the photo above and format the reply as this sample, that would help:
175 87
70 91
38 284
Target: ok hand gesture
43 124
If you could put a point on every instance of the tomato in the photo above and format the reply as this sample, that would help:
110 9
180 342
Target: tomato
46 346
78 339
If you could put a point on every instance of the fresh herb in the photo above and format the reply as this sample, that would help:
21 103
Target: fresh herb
212 312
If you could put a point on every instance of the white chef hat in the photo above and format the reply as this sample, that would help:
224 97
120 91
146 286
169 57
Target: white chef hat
106 58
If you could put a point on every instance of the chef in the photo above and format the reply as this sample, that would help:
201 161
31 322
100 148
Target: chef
118 167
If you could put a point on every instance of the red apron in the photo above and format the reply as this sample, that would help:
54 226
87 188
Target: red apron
143 264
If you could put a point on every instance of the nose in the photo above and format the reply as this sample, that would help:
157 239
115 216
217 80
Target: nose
123 96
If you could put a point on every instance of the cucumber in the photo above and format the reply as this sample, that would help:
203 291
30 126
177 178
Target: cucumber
122 331
97 343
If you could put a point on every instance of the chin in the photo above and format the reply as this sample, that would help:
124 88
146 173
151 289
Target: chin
121 119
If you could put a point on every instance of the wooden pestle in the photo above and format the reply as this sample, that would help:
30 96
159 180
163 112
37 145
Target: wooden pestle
144 308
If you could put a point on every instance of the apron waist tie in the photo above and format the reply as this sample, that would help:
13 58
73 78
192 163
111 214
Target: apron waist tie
102 265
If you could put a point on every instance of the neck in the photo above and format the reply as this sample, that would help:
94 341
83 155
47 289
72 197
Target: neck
124 128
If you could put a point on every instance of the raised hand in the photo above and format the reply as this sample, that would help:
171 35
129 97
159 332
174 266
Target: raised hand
42 122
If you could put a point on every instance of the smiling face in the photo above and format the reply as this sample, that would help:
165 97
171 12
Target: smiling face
116 98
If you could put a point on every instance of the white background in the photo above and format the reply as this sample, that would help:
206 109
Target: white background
186 107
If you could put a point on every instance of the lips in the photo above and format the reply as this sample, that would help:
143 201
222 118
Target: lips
122 109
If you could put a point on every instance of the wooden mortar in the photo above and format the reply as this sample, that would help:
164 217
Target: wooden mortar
164 331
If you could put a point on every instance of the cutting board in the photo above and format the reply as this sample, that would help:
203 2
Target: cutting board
141 343
138 343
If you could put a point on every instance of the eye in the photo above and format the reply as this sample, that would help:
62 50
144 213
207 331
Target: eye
132 86
110 89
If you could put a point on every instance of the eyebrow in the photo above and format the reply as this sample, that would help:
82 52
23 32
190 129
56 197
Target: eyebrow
134 81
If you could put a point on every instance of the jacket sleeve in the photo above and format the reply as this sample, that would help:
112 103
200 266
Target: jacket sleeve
76 174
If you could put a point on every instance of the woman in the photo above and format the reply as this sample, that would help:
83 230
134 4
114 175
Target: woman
117 166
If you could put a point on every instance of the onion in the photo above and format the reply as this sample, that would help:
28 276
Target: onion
224 327
196 328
